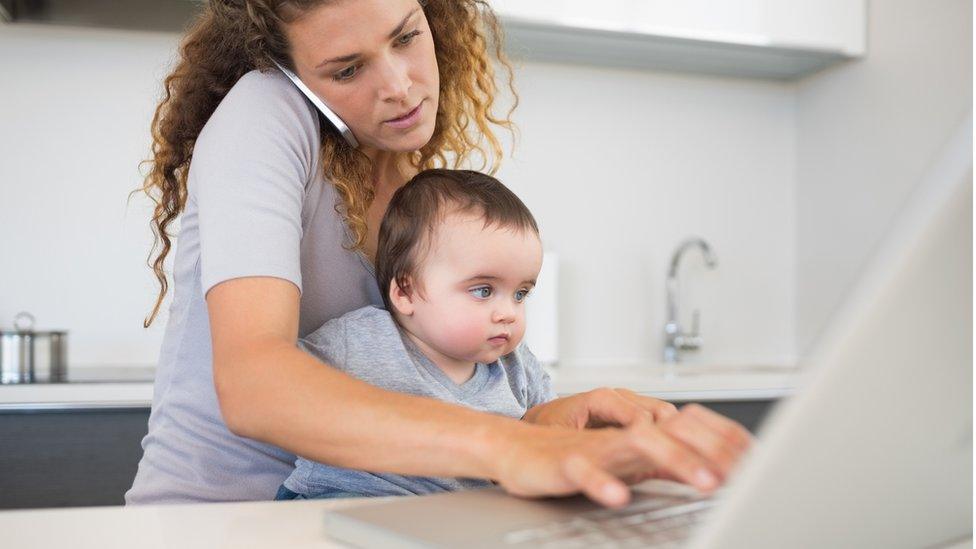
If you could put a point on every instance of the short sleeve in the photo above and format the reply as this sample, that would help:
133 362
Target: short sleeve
328 343
250 167
538 384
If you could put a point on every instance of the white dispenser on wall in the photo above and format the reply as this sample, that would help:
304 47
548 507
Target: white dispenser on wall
542 313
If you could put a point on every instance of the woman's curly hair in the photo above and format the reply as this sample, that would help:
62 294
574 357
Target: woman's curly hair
232 37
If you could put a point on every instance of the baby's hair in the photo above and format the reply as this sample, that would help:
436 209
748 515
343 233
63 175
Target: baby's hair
418 207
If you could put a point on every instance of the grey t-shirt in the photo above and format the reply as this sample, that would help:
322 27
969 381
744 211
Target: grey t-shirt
257 205
367 344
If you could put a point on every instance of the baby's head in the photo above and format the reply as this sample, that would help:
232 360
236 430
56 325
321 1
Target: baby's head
458 253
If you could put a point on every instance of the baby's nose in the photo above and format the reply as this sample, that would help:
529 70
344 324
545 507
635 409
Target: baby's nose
504 314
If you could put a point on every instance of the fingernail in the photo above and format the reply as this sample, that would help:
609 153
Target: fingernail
706 479
612 491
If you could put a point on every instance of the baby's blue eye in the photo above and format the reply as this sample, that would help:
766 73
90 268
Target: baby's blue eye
483 292
521 295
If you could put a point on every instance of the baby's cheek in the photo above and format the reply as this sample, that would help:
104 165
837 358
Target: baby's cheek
518 333
463 335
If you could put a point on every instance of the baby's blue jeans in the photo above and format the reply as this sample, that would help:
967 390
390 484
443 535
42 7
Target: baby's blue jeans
286 494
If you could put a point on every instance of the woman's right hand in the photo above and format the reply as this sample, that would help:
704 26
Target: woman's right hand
694 446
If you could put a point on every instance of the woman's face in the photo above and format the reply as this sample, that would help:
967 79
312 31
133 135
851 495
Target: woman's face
373 63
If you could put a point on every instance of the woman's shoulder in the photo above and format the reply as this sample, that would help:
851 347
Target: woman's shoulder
264 87
264 105
263 118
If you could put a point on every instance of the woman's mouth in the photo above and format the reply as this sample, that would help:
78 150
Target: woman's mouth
407 120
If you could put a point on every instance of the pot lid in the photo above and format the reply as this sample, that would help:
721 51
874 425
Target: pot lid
24 325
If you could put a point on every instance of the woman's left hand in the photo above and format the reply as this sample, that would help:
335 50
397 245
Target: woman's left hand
600 408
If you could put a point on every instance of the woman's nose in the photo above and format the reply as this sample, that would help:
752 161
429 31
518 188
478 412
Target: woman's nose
395 84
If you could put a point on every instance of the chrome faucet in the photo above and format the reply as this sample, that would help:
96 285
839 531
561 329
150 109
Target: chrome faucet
676 340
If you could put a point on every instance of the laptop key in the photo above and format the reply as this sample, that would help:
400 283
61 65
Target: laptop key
645 523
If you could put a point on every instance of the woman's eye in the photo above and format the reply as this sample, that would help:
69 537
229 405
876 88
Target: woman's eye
521 295
407 38
346 73
482 292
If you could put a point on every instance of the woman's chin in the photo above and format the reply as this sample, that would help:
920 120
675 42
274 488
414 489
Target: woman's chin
406 142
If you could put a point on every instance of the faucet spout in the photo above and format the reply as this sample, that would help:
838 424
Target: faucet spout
675 339
688 244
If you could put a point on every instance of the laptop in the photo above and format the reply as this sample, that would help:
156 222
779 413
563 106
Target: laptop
875 450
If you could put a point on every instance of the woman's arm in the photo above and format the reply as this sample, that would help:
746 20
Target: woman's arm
270 390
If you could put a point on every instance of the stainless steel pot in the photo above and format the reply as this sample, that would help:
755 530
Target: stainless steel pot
29 356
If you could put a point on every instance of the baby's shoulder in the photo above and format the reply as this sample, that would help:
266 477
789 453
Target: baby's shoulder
362 324
369 316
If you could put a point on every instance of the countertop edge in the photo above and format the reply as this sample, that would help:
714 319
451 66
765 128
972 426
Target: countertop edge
720 386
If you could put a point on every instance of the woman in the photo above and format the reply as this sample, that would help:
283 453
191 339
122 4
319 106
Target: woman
278 231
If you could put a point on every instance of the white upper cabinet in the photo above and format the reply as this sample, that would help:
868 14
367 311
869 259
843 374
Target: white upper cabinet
755 38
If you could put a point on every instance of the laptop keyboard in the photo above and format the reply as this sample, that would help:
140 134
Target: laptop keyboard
658 521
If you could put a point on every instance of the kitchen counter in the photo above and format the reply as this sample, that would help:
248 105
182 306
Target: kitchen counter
131 387
683 382
293 524
87 387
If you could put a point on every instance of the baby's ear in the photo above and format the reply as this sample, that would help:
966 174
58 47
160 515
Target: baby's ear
401 297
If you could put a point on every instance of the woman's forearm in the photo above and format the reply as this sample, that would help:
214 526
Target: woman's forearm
278 394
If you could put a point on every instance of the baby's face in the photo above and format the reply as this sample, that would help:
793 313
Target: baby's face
474 281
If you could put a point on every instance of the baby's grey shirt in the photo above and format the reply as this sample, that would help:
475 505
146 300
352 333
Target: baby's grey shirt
367 344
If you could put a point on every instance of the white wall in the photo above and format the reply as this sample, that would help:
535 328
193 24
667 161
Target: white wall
618 166
866 132
75 107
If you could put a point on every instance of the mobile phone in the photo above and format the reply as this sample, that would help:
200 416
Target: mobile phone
332 117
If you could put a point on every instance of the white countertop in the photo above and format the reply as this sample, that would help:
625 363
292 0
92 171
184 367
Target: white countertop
291 524
683 383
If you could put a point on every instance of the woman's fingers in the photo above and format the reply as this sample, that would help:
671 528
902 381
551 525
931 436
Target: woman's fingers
600 408
624 408
595 483
694 446
609 407
694 434
733 432
719 441
660 409
673 459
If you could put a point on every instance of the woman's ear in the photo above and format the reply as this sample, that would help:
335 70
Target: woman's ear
401 297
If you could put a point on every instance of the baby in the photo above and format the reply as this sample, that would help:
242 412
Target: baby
458 253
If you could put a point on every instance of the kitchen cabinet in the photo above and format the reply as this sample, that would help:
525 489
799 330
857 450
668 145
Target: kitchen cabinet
69 458
750 413
779 39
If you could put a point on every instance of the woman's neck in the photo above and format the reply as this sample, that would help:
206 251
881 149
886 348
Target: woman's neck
390 172
386 169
